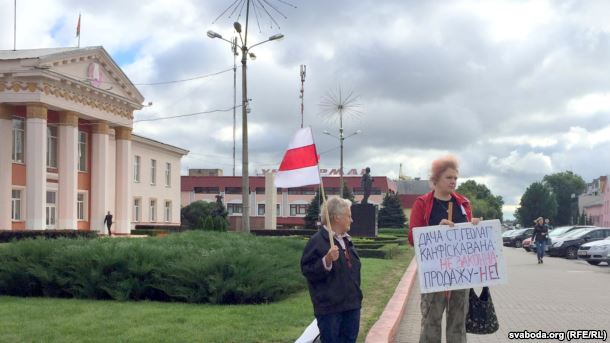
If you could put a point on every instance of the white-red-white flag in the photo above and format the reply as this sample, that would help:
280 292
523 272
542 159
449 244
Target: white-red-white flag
300 164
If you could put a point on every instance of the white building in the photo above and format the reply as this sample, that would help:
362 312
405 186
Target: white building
67 155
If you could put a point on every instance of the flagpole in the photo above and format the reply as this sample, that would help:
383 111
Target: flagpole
329 228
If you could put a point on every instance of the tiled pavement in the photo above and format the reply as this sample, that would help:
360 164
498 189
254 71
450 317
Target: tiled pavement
558 295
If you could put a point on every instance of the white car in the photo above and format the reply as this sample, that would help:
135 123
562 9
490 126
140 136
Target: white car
595 252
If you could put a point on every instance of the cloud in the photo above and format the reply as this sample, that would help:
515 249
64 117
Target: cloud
512 101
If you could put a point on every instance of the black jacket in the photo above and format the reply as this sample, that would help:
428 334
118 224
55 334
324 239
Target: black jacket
541 232
333 291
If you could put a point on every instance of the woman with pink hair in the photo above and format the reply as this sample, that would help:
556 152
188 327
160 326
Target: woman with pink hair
432 209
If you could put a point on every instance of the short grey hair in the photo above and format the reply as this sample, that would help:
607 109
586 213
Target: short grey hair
335 206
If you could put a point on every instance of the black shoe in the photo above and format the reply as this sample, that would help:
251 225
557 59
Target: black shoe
541 261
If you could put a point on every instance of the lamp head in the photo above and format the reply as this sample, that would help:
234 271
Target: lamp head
237 27
252 56
213 34
276 36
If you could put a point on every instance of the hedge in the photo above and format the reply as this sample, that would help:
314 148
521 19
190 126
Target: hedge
387 251
193 267
7 236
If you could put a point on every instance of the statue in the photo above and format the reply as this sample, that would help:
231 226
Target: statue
366 183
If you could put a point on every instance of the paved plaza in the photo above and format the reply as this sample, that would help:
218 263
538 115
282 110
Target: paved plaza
558 295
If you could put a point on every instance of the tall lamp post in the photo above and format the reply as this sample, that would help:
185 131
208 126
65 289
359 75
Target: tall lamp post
245 51
341 138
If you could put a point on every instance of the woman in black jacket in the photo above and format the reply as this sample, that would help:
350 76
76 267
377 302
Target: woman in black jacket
540 236
333 275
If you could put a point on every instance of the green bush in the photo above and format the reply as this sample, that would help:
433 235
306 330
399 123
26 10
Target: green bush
388 251
196 267
7 235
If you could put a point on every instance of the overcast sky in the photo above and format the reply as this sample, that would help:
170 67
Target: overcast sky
514 89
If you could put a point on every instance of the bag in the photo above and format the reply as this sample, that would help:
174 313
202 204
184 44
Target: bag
481 318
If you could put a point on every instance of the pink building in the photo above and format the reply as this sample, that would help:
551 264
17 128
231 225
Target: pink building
291 204
67 153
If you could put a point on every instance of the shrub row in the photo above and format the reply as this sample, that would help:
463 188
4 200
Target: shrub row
7 236
285 232
388 251
194 267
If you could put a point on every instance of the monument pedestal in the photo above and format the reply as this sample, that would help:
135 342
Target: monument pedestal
365 220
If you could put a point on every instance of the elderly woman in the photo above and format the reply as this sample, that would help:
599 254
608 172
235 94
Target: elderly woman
432 209
333 275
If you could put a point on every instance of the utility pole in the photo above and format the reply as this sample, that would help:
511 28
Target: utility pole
303 71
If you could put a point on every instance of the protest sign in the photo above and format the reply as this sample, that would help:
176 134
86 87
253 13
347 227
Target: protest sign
459 257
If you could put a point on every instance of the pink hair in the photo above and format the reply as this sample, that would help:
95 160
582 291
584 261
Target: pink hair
440 165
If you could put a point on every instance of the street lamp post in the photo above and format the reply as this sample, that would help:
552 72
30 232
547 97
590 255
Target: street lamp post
245 51
341 138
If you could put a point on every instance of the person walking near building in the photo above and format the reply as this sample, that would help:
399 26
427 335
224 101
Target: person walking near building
539 237
432 209
333 275
108 222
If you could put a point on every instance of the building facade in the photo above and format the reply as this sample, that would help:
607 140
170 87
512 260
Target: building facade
66 147
594 203
291 204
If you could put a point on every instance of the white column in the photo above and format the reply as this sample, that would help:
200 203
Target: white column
270 201
36 166
123 180
100 192
285 207
253 204
68 171
6 165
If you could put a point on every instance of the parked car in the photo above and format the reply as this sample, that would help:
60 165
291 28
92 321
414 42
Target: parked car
561 231
595 252
517 237
527 244
567 245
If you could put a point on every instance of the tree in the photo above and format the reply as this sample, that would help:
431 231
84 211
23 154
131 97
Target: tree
202 215
566 186
537 201
313 211
391 213
347 193
484 203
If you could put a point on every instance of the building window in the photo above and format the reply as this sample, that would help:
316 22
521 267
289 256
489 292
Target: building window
137 208
232 190
277 210
51 209
301 191
298 210
81 206
18 140
136 168
234 209
16 204
260 190
168 211
261 209
206 190
153 172
82 151
153 211
168 174
52 146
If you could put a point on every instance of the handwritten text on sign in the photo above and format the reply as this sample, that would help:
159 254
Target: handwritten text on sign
459 257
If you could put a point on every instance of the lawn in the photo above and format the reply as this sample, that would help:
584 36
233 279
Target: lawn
71 320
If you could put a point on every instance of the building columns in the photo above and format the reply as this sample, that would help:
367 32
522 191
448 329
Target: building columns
68 171
6 165
124 179
270 201
36 166
100 181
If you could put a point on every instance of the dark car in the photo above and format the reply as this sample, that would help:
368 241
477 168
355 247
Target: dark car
567 245
558 232
515 239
